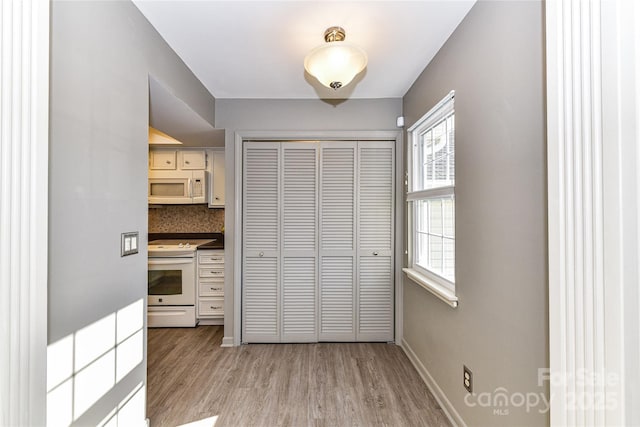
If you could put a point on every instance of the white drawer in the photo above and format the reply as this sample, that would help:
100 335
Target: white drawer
177 316
211 258
212 288
211 271
210 307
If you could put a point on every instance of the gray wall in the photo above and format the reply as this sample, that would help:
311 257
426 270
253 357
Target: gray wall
101 56
495 63
288 115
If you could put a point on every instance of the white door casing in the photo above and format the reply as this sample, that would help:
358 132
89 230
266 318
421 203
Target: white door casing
593 107
24 142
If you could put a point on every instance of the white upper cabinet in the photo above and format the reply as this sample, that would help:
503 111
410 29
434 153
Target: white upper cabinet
162 159
193 160
216 187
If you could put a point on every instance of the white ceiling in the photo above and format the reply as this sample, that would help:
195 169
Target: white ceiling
256 49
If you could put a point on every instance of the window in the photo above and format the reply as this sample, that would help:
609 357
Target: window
431 199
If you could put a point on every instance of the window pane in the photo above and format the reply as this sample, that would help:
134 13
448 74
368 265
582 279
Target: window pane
449 259
449 217
422 247
435 216
434 235
422 238
435 151
435 255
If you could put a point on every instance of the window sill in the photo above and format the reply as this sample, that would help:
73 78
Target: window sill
430 285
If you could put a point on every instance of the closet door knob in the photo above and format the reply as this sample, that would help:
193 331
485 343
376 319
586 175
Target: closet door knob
261 254
375 253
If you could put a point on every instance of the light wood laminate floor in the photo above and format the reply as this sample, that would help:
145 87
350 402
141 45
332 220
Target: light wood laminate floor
190 378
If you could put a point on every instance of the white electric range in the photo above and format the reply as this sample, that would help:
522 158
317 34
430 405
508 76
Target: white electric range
172 282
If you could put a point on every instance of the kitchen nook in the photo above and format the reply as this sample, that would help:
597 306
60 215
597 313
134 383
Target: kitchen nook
186 233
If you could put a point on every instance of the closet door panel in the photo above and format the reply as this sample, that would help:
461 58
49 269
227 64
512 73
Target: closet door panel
299 242
337 298
375 299
337 241
318 241
337 196
375 241
299 299
261 243
260 301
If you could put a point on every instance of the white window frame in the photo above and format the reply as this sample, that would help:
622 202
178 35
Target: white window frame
430 280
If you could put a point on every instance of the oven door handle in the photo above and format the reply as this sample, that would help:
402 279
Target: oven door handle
171 262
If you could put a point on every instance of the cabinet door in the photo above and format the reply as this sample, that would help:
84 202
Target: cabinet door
193 160
217 186
337 241
299 242
261 231
375 241
162 159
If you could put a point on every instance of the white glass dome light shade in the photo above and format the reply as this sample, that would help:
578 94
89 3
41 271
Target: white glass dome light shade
335 63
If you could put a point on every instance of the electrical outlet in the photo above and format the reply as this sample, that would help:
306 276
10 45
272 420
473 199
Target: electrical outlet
467 379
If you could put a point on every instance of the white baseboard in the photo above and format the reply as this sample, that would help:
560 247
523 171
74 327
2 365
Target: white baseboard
445 404
227 342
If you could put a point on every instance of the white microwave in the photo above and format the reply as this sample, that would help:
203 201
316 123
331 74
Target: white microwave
177 187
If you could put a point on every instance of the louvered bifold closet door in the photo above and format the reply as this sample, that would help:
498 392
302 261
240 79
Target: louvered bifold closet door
299 241
261 237
375 241
337 241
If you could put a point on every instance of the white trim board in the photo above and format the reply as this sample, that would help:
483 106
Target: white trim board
24 157
448 409
242 135
593 109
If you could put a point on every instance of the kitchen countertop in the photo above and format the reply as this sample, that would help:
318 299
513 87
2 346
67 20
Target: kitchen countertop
216 240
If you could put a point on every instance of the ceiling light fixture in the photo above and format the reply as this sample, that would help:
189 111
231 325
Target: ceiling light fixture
336 62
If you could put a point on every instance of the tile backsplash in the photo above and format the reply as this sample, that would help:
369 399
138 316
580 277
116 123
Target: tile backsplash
185 219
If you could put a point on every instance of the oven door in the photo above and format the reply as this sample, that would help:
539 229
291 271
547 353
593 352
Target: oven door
172 281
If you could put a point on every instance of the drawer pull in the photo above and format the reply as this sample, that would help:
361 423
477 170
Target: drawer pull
215 308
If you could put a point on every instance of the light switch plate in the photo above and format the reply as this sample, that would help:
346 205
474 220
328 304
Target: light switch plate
129 243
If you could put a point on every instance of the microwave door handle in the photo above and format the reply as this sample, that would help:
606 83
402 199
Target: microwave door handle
171 262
